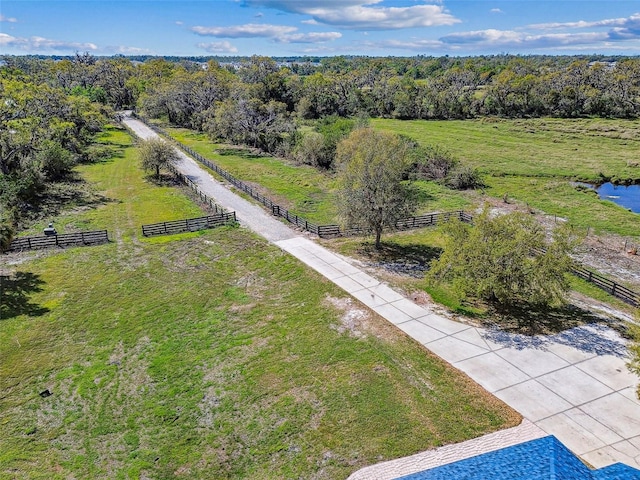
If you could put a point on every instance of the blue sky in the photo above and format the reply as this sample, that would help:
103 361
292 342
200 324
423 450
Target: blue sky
320 27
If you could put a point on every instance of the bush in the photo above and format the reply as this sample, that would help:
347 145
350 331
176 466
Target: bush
432 163
506 260
6 236
464 177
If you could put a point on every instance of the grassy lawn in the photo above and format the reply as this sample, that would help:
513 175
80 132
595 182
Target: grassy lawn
534 161
206 355
302 189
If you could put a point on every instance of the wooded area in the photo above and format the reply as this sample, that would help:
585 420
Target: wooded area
298 108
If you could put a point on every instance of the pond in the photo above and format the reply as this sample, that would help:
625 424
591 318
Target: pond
625 196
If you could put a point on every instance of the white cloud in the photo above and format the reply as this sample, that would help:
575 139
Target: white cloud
632 21
125 50
496 10
520 40
418 45
43 44
363 14
313 37
179 22
245 31
278 33
218 47
8 19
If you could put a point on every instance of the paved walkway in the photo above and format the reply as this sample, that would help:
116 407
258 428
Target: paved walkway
574 385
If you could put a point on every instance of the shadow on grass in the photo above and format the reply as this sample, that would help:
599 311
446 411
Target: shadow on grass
15 291
73 192
164 180
395 252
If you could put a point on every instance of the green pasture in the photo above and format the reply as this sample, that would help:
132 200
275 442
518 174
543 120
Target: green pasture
536 161
304 190
205 355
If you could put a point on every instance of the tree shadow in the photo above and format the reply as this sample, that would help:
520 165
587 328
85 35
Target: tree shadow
164 180
412 260
60 196
570 326
15 291
530 320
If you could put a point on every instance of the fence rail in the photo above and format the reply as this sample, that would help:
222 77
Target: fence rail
323 231
63 240
188 225
420 221
613 288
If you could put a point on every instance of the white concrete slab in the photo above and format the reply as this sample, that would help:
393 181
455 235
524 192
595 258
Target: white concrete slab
574 385
387 294
492 371
325 270
410 308
420 332
443 324
364 279
474 335
610 370
600 458
453 350
590 424
347 284
534 362
576 437
609 455
568 353
392 314
370 299
631 393
533 400
345 267
616 412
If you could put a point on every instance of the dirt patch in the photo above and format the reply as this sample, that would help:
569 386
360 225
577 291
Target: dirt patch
353 318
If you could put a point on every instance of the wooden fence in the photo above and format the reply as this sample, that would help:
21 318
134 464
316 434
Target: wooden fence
420 221
188 225
63 240
323 231
613 288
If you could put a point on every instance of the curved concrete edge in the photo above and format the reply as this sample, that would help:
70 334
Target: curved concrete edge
418 462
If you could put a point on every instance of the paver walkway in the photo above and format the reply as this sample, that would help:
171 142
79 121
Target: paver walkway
574 385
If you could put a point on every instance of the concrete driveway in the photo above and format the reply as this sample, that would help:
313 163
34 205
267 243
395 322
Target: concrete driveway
574 385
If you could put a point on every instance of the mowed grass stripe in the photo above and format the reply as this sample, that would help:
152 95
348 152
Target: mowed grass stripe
209 355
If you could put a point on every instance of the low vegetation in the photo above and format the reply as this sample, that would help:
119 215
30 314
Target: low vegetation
506 260
206 354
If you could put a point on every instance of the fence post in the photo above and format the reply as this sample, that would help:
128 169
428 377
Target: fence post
613 289
165 226
590 280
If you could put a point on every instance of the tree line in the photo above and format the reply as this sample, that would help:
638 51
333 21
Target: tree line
299 108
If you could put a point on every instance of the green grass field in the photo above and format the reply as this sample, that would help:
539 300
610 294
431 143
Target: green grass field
205 355
531 161
534 161
302 189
